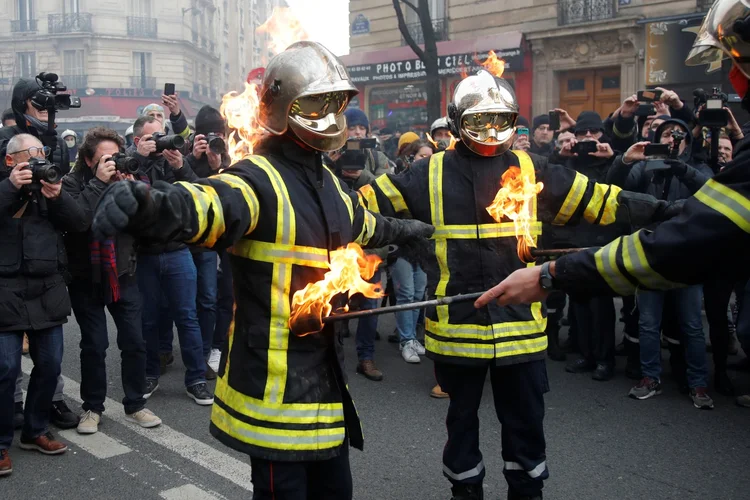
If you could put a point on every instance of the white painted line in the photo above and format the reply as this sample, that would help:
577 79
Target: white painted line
188 448
187 492
99 444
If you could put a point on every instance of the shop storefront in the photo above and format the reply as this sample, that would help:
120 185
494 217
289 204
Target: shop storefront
392 85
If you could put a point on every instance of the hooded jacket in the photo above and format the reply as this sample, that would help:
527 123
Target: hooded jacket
662 184
22 91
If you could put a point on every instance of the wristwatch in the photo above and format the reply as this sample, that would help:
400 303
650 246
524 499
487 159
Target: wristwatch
546 280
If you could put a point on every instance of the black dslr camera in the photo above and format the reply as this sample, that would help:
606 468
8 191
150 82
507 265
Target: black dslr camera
47 98
164 141
665 151
713 115
42 170
354 154
125 164
216 144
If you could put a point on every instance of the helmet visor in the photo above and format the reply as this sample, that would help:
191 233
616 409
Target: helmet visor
487 126
317 106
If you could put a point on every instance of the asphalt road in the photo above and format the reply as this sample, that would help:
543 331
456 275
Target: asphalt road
600 444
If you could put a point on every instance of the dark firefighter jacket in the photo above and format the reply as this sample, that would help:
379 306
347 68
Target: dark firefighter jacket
279 396
472 252
714 224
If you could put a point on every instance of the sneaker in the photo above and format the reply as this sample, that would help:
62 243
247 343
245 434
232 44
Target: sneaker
419 348
165 360
438 393
89 423
201 394
18 415
144 417
409 352
151 385
369 370
6 467
62 416
701 399
645 389
743 401
209 374
213 359
45 443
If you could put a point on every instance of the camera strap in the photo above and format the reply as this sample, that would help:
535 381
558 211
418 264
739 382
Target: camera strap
21 211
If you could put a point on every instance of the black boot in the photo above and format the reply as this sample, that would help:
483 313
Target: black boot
467 492
517 496
62 416
553 343
604 372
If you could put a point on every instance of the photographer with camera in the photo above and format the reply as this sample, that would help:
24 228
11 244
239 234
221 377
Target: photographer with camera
30 119
167 270
103 277
35 210
208 158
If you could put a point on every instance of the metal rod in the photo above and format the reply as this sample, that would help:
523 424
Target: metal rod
404 307
552 252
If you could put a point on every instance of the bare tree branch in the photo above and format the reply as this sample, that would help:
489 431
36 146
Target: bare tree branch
405 30
410 5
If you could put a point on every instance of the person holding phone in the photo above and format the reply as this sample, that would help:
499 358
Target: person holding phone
543 136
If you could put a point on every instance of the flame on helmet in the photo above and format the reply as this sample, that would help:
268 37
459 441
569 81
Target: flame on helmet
451 144
494 64
283 28
241 110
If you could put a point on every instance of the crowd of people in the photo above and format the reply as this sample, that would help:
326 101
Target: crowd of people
51 263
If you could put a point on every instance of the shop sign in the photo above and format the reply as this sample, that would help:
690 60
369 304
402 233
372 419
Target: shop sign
413 69
360 25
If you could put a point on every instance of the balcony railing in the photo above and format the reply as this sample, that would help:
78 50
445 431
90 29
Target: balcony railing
143 82
22 25
581 11
144 27
75 81
69 23
440 26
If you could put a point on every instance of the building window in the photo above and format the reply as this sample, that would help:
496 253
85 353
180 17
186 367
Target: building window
401 107
141 8
611 82
73 62
25 10
439 21
576 84
70 7
142 71
26 62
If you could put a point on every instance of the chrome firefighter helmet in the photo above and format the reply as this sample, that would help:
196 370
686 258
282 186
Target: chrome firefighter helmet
305 91
439 123
483 114
725 32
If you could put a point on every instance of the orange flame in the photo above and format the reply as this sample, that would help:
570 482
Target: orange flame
514 200
241 113
464 71
349 270
494 64
451 145
283 28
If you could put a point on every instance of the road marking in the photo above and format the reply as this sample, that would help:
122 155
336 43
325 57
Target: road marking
188 448
187 492
99 444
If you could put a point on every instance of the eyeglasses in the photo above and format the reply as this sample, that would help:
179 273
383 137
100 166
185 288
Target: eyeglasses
584 131
34 151
315 107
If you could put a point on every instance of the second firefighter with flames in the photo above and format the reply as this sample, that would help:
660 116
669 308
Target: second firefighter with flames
480 237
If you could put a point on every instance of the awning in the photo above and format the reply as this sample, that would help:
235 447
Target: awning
454 56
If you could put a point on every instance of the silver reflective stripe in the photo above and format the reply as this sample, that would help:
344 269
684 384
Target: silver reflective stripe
460 476
291 413
298 255
291 440
533 473
634 340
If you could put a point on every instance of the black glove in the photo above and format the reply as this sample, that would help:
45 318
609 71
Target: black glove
679 168
401 231
640 210
671 209
118 205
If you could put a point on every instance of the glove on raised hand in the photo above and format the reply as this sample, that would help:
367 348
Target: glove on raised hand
641 209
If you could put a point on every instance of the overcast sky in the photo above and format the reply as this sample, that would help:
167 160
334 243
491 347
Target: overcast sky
327 22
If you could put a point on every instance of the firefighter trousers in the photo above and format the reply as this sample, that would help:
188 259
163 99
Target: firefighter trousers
316 480
518 393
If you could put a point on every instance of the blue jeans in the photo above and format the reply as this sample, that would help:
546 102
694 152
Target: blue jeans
173 275
46 350
206 264
367 327
409 282
688 303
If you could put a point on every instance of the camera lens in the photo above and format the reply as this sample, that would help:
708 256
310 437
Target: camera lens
217 145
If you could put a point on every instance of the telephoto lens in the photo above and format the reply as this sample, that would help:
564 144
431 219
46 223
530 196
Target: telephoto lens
125 164
216 144
42 170
171 142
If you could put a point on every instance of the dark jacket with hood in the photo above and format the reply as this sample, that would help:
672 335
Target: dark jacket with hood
22 91
651 176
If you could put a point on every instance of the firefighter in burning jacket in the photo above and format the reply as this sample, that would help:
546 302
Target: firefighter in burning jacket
280 398
472 252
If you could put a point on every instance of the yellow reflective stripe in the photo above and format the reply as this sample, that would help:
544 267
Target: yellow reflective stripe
727 202
610 206
636 263
368 228
281 282
201 205
391 192
371 200
606 264
281 439
344 196
485 332
248 194
527 171
481 231
591 212
436 212
282 254
486 351
575 195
